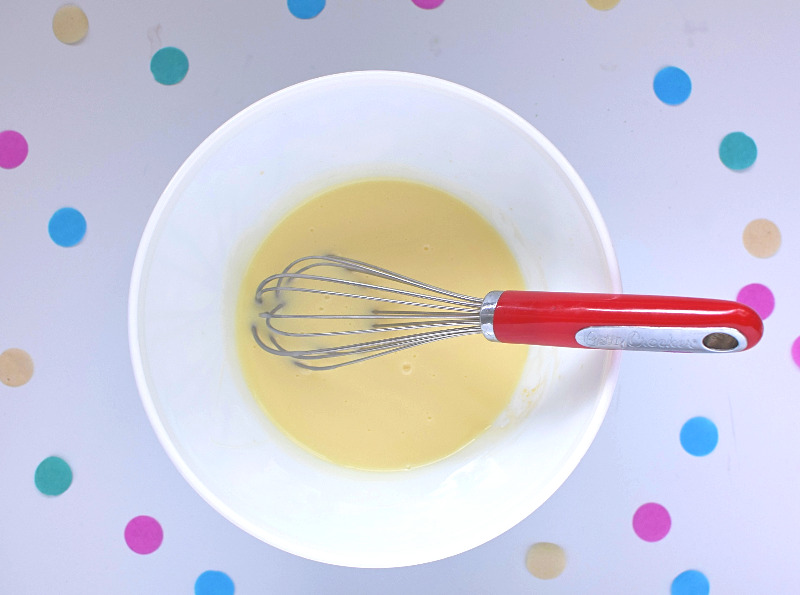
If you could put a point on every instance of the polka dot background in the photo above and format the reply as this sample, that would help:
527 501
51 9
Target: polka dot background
603 4
651 522
672 85
796 351
53 476
214 582
306 9
699 436
16 367
737 151
70 24
690 582
13 149
144 534
758 297
169 66
546 560
428 4
89 138
761 238
67 227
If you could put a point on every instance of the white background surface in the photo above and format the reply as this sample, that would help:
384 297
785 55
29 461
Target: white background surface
105 138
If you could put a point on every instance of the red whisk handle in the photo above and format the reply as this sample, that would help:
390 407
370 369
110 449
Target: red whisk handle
612 321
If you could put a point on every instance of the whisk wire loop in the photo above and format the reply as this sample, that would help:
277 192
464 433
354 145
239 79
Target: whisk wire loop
419 309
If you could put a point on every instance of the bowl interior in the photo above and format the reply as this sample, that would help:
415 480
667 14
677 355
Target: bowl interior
201 236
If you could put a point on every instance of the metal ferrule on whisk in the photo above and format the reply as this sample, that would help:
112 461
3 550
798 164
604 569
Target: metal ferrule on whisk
487 314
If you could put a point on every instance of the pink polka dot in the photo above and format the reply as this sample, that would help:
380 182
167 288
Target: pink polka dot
758 297
143 534
796 351
651 522
13 149
428 4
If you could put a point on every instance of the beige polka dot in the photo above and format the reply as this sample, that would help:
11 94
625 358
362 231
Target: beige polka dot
70 24
16 367
761 238
602 4
545 560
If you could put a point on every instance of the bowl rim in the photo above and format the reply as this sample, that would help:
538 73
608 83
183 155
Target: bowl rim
610 374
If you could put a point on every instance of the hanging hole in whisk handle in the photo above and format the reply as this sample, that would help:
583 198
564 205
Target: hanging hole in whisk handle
720 341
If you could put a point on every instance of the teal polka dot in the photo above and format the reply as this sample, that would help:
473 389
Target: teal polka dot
67 227
305 9
699 436
53 476
737 151
672 85
690 582
213 582
169 65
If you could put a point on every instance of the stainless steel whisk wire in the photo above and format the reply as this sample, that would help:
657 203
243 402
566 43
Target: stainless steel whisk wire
450 314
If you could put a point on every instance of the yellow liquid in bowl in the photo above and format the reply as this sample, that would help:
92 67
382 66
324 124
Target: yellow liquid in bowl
408 408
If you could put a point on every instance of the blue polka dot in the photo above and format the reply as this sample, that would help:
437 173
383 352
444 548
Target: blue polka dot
305 9
690 582
699 436
213 582
67 227
738 151
169 66
672 85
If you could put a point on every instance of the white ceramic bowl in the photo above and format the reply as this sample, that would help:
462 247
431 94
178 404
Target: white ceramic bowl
198 242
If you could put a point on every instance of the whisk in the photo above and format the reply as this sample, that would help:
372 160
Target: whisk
383 312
